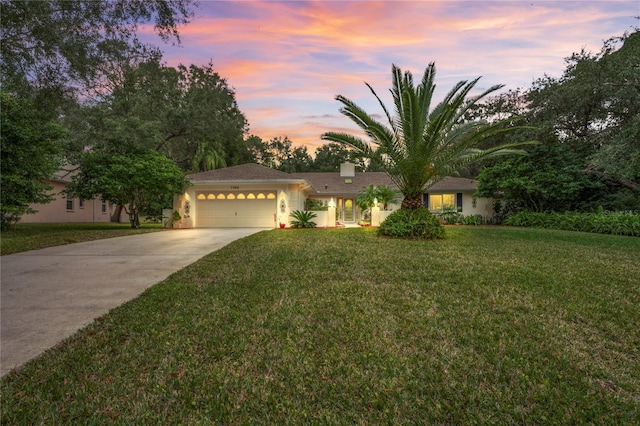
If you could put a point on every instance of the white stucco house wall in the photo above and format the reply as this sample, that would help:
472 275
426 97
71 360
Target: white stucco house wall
251 195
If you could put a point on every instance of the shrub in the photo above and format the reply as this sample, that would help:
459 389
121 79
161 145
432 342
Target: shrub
451 217
302 219
414 224
602 222
475 219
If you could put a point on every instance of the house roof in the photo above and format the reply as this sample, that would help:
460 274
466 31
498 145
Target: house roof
321 182
65 174
455 184
333 183
243 172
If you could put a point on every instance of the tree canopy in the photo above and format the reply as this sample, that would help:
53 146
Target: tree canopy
134 178
62 44
588 120
280 154
53 54
30 154
189 114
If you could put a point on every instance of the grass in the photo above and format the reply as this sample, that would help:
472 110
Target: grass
32 236
492 325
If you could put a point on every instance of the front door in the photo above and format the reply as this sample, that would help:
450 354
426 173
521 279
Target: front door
346 209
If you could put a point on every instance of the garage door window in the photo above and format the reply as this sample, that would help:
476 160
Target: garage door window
237 196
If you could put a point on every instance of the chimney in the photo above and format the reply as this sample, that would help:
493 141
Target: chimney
347 170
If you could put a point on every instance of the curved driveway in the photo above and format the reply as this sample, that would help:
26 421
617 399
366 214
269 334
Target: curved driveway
49 294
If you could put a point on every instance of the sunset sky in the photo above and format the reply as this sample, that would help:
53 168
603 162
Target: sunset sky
288 59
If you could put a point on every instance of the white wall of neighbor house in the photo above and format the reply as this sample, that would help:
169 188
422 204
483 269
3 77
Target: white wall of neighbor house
71 210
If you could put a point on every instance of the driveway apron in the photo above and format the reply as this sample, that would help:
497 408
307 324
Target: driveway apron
47 295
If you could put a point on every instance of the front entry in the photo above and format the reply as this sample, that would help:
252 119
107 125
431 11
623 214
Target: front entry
346 210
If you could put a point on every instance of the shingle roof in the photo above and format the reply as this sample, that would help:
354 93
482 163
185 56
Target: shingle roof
242 172
455 184
333 183
321 182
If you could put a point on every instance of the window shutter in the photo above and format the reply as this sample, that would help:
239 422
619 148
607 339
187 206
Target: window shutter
425 200
459 201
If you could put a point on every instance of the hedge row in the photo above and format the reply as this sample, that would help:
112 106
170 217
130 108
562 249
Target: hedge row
616 223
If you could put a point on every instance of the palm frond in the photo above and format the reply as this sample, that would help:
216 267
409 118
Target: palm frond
378 132
384 107
350 140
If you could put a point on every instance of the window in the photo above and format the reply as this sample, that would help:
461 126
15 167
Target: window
104 206
81 203
445 202
69 204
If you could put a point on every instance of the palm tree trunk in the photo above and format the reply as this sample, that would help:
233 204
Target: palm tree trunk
412 203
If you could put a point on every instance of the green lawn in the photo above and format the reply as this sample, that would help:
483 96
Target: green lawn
32 236
492 325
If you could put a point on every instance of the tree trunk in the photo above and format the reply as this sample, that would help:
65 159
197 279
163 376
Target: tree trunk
117 213
134 219
412 203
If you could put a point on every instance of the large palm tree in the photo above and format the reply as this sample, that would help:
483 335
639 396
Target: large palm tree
420 145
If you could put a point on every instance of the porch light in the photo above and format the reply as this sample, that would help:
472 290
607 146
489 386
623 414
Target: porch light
375 202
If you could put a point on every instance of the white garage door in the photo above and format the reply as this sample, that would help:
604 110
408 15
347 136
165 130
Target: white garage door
236 210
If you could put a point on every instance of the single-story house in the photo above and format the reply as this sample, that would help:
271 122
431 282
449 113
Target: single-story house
251 195
65 209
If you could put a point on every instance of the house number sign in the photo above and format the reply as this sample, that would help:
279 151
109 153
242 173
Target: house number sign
235 187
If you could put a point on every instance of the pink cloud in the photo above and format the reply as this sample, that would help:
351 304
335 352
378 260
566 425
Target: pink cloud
287 60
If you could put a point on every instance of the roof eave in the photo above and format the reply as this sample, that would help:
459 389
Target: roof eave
246 181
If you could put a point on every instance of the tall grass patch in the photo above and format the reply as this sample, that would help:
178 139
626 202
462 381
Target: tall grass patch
490 325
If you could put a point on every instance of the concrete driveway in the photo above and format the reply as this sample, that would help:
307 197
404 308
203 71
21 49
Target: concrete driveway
49 294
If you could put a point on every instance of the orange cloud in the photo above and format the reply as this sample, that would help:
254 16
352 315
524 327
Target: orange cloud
287 60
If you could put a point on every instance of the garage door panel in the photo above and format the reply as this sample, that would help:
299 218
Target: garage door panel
235 213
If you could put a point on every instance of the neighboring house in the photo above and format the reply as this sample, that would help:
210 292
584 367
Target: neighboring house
63 209
251 195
